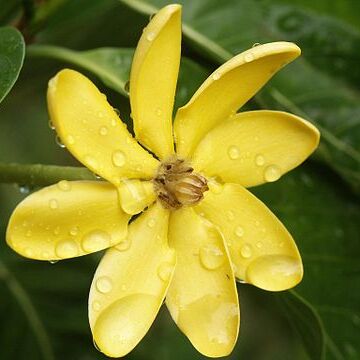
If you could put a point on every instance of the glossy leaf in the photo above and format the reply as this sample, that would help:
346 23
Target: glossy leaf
12 51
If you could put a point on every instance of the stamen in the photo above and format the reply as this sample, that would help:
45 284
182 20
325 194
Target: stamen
177 185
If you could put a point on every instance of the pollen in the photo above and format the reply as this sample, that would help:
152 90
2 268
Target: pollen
177 185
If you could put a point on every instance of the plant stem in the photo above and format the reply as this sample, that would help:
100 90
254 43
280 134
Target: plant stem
33 175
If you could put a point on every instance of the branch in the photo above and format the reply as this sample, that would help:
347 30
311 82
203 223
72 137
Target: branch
33 175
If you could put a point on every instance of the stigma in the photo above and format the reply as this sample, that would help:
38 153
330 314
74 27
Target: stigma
177 185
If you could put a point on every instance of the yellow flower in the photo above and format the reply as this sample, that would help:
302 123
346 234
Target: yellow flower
202 228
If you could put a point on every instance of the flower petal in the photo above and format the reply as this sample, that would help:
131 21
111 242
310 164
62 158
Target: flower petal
69 219
261 249
130 284
226 90
136 195
92 131
260 147
202 297
153 80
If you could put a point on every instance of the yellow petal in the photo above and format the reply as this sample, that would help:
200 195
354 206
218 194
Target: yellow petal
153 80
261 249
202 297
130 284
136 195
92 131
69 219
255 147
226 90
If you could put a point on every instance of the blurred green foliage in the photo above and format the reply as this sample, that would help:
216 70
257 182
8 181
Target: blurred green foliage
43 307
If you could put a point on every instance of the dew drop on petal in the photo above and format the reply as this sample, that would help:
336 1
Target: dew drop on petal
248 57
259 160
259 244
123 245
103 130
127 86
256 44
66 249
246 251
158 112
239 231
233 152
53 204
165 270
150 36
211 257
74 231
118 158
95 240
272 173
104 284
216 76
64 185
275 272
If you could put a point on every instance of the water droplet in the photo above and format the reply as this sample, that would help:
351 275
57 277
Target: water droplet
74 231
257 223
151 223
58 141
230 215
66 249
259 244
70 140
51 125
249 57
100 114
28 233
95 240
239 231
103 130
64 185
216 76
24 189
259 160
127 86
123 245
118 158
150 36
211 256
233 152
104 284
246 251
52 262
274 272
158 112
117 111
272 173
165 270
152 16
96 305
256 44
53 204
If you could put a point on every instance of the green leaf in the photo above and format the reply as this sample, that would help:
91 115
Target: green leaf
20 321
323 216
112 66
321 86
306 322
12 51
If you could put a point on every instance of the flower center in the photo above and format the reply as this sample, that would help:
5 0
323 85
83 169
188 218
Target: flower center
176 184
